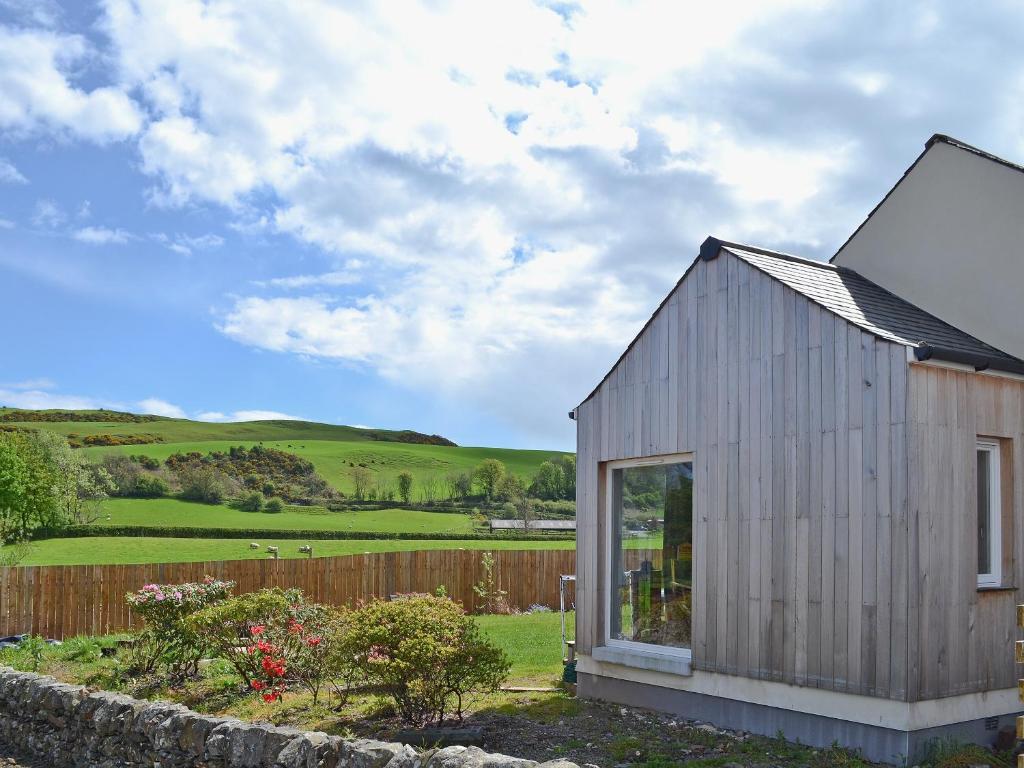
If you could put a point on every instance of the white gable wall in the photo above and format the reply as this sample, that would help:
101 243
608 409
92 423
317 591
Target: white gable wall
950 239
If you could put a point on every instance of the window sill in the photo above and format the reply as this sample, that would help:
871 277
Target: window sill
996 588
650 660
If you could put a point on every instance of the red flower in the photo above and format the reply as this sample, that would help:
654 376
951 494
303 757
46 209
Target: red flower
313 642
294 627
258 629
269 697
258 685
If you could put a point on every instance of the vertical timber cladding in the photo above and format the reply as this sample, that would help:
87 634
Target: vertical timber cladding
1019 658
67 600
960 635
797 421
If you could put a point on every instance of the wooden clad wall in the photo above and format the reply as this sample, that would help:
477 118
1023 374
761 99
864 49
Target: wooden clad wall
959 636
797 421
64 601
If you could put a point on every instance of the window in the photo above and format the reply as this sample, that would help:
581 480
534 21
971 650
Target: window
650 505
990 545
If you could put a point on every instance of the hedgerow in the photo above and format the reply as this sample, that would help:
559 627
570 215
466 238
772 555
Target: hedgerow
165 531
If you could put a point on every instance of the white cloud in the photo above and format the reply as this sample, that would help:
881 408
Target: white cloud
308 281
473 209
102 236
9 174
186 244
250 415
47 214
158 407
40 383
36 92
6 224
41 399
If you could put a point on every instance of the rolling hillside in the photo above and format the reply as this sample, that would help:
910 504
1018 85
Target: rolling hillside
334 450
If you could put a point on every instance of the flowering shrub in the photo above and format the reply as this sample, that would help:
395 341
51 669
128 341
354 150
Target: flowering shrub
425 653
167 638
228 626
274 639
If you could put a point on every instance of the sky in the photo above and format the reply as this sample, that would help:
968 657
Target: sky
443 216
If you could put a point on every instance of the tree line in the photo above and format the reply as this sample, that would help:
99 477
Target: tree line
489 481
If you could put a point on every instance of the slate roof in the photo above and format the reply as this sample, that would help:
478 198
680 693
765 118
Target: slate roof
861 302
871 307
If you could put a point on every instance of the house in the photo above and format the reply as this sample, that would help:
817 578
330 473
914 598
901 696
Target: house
801 487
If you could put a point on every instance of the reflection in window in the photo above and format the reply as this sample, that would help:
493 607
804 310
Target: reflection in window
652 534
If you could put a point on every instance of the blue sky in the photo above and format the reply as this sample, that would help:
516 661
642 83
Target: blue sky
449 216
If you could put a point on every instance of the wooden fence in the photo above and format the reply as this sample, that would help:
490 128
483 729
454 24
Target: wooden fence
64 601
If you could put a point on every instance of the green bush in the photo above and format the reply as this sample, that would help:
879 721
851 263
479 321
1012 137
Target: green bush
275 638
425 654
252 502
202 484
168 640
227 626
274 505
150 487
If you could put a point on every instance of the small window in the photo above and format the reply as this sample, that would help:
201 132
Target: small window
651 513
990 543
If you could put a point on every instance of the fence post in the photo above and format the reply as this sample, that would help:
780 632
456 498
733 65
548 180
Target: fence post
1018 655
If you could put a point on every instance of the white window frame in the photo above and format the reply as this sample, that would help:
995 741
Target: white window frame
621 650
995 514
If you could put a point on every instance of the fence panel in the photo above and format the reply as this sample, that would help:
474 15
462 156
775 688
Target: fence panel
64 601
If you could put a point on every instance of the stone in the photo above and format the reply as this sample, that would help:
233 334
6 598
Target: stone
57 724
474 757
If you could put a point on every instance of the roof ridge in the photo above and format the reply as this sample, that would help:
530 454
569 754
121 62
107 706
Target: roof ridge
714 244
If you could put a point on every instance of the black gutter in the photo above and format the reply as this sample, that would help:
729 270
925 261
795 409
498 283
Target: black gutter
925 351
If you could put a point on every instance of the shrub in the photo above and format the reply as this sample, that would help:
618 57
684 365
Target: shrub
493 599
251 502
275 638
425 654
274 505
203 484
150 487
168 638
227 626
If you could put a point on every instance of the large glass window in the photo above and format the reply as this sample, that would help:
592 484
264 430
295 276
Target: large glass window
989 527
651 506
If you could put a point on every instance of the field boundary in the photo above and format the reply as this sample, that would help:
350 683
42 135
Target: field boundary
61 601
190 532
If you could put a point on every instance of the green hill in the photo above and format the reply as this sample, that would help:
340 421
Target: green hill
82 423
334 450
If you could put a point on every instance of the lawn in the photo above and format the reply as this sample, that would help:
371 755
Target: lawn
533 641
186 514
334 459
101 550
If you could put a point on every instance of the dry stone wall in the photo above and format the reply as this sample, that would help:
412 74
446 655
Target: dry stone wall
69 725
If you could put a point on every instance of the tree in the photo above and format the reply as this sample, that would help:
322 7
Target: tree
80 486
28 498
362 479
488 474
568 466
509 488
463 485
548 483
405 486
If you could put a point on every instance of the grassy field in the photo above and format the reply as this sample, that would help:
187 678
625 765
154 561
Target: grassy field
100 550
333 459
331 448
185 514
